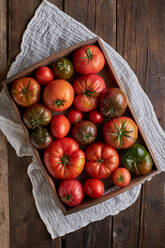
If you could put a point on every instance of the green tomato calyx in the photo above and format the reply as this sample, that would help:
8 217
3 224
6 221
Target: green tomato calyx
88 56
100 160
59 102
120 179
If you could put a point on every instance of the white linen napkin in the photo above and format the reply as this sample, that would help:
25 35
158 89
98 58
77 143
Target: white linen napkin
49 31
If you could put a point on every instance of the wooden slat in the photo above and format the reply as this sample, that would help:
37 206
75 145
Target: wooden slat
99 17
153 203
27 229
129 34
4 191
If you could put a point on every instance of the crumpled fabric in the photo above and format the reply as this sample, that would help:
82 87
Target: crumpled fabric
48 32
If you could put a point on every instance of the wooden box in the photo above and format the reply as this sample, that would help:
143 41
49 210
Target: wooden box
110 77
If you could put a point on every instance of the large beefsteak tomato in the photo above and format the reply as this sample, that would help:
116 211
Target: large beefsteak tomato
102 160
25 91
58 95
64 159
120 132
88 88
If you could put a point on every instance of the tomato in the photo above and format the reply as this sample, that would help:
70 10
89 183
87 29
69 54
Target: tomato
63 68
71 192
64 159
88 59
137 160
37 115
44 75
95 116
41 138
120 132
84 132
25 91
60 126
113 103
58 95
88 88
94 188
75 116
102 160
121 177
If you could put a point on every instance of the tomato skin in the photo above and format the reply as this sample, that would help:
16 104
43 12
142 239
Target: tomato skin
101 160
58 95
94 188
84 132
25 91
96 117
37 115
71 192
75 116
121 177
64 159
63 68
44 75
137 160
41 138
60 126
88 59
88 88
115 130
112 102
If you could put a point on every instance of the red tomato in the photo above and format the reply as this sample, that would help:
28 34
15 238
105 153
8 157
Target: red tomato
94 188
88 59
75 116
60 126
95 116
64 159
102 160
121 177
44 75
88 88
120 132
71 192
58 95
25 91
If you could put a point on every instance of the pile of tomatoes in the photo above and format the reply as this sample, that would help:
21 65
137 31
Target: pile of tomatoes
69 139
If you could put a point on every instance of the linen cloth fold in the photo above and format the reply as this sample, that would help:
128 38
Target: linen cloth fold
48 32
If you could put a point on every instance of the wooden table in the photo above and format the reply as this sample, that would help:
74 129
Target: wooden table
136 30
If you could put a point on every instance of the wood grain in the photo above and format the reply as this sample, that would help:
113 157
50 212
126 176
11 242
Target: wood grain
4 190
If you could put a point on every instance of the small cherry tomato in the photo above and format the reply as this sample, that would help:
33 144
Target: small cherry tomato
71 192
75 116
121 177
94 188
44 75
95 116
60 126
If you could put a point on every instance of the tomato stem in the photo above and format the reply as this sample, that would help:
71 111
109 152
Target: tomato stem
88 56
100 160
59 102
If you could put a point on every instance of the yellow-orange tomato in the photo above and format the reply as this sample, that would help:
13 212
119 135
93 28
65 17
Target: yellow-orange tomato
58 95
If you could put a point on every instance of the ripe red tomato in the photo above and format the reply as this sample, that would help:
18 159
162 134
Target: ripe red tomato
88 59
94 188
58 95
44 75
25 91
120 132
71 192
102 160
121 177
64 159
88 88
95 116
60 126
75 116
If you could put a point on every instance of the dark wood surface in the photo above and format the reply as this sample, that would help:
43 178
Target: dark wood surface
136 30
